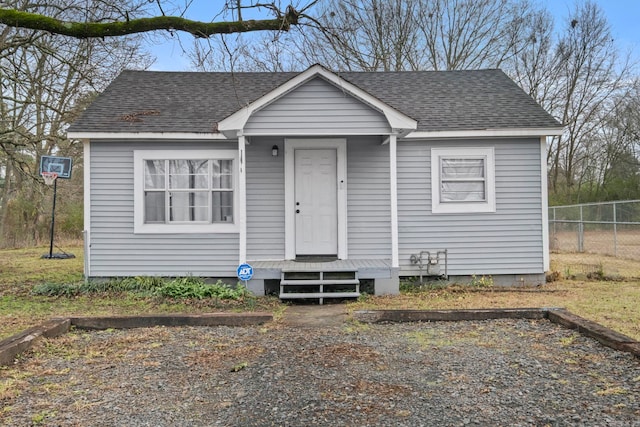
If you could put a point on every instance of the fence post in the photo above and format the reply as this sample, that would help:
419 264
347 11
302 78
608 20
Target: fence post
581 233
615 231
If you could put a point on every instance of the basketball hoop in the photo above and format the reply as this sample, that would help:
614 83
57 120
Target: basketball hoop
51 169
49 177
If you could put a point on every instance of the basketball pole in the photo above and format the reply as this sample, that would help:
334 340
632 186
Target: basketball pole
53 216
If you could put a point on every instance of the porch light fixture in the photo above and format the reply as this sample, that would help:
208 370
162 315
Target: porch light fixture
274 151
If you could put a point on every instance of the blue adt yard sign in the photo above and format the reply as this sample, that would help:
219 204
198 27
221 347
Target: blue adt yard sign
245 272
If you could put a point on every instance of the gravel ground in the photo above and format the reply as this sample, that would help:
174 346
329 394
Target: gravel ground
503 372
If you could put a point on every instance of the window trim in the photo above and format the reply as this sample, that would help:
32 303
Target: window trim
139 157
485 153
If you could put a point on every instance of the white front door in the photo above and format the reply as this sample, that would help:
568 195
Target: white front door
316 202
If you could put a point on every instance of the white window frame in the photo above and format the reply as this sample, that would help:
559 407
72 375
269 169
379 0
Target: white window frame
139 158
485 153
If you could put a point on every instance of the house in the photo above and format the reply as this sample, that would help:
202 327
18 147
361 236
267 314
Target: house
336 178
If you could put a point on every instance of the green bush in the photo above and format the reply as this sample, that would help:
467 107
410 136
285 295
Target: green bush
56 289
140 284
183 287
191 287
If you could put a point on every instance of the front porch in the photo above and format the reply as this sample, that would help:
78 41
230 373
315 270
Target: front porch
331 279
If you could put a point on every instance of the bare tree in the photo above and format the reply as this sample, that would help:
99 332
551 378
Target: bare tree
468 34
367 35
532 64
45 79
581 78
615 149
389 35
584 72
261 53
398 35
350 34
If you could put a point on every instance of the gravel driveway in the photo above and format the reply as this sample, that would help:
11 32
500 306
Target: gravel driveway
500 372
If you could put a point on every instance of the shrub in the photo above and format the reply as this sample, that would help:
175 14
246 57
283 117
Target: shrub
56 289
182 287
190 287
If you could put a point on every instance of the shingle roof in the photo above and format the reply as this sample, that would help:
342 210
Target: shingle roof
194 102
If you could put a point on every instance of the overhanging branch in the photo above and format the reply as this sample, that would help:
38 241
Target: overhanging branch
83 30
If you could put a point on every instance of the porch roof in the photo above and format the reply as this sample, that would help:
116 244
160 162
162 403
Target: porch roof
148 102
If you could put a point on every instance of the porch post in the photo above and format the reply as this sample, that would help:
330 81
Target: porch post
545 204
86 144
393 182
242 200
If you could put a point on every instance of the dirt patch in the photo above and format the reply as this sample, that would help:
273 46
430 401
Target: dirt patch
224 353
314 316
342 354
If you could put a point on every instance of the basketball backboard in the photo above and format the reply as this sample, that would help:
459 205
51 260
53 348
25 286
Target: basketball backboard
59 165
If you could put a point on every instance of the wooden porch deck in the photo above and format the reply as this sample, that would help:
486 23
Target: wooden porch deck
366 268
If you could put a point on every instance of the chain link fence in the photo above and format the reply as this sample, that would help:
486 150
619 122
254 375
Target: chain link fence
609 228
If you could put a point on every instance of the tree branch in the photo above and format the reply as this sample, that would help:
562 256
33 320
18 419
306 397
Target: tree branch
83 30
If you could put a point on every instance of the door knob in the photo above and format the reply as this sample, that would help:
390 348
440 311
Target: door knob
297 210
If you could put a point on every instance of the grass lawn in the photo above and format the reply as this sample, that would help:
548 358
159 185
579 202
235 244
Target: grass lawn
615 304
22 269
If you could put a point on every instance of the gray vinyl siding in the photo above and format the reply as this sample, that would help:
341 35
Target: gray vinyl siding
117 251
317 108
265 200
508 241
368 199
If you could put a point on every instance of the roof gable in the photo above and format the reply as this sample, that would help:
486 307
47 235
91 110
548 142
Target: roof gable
396 119
317 107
